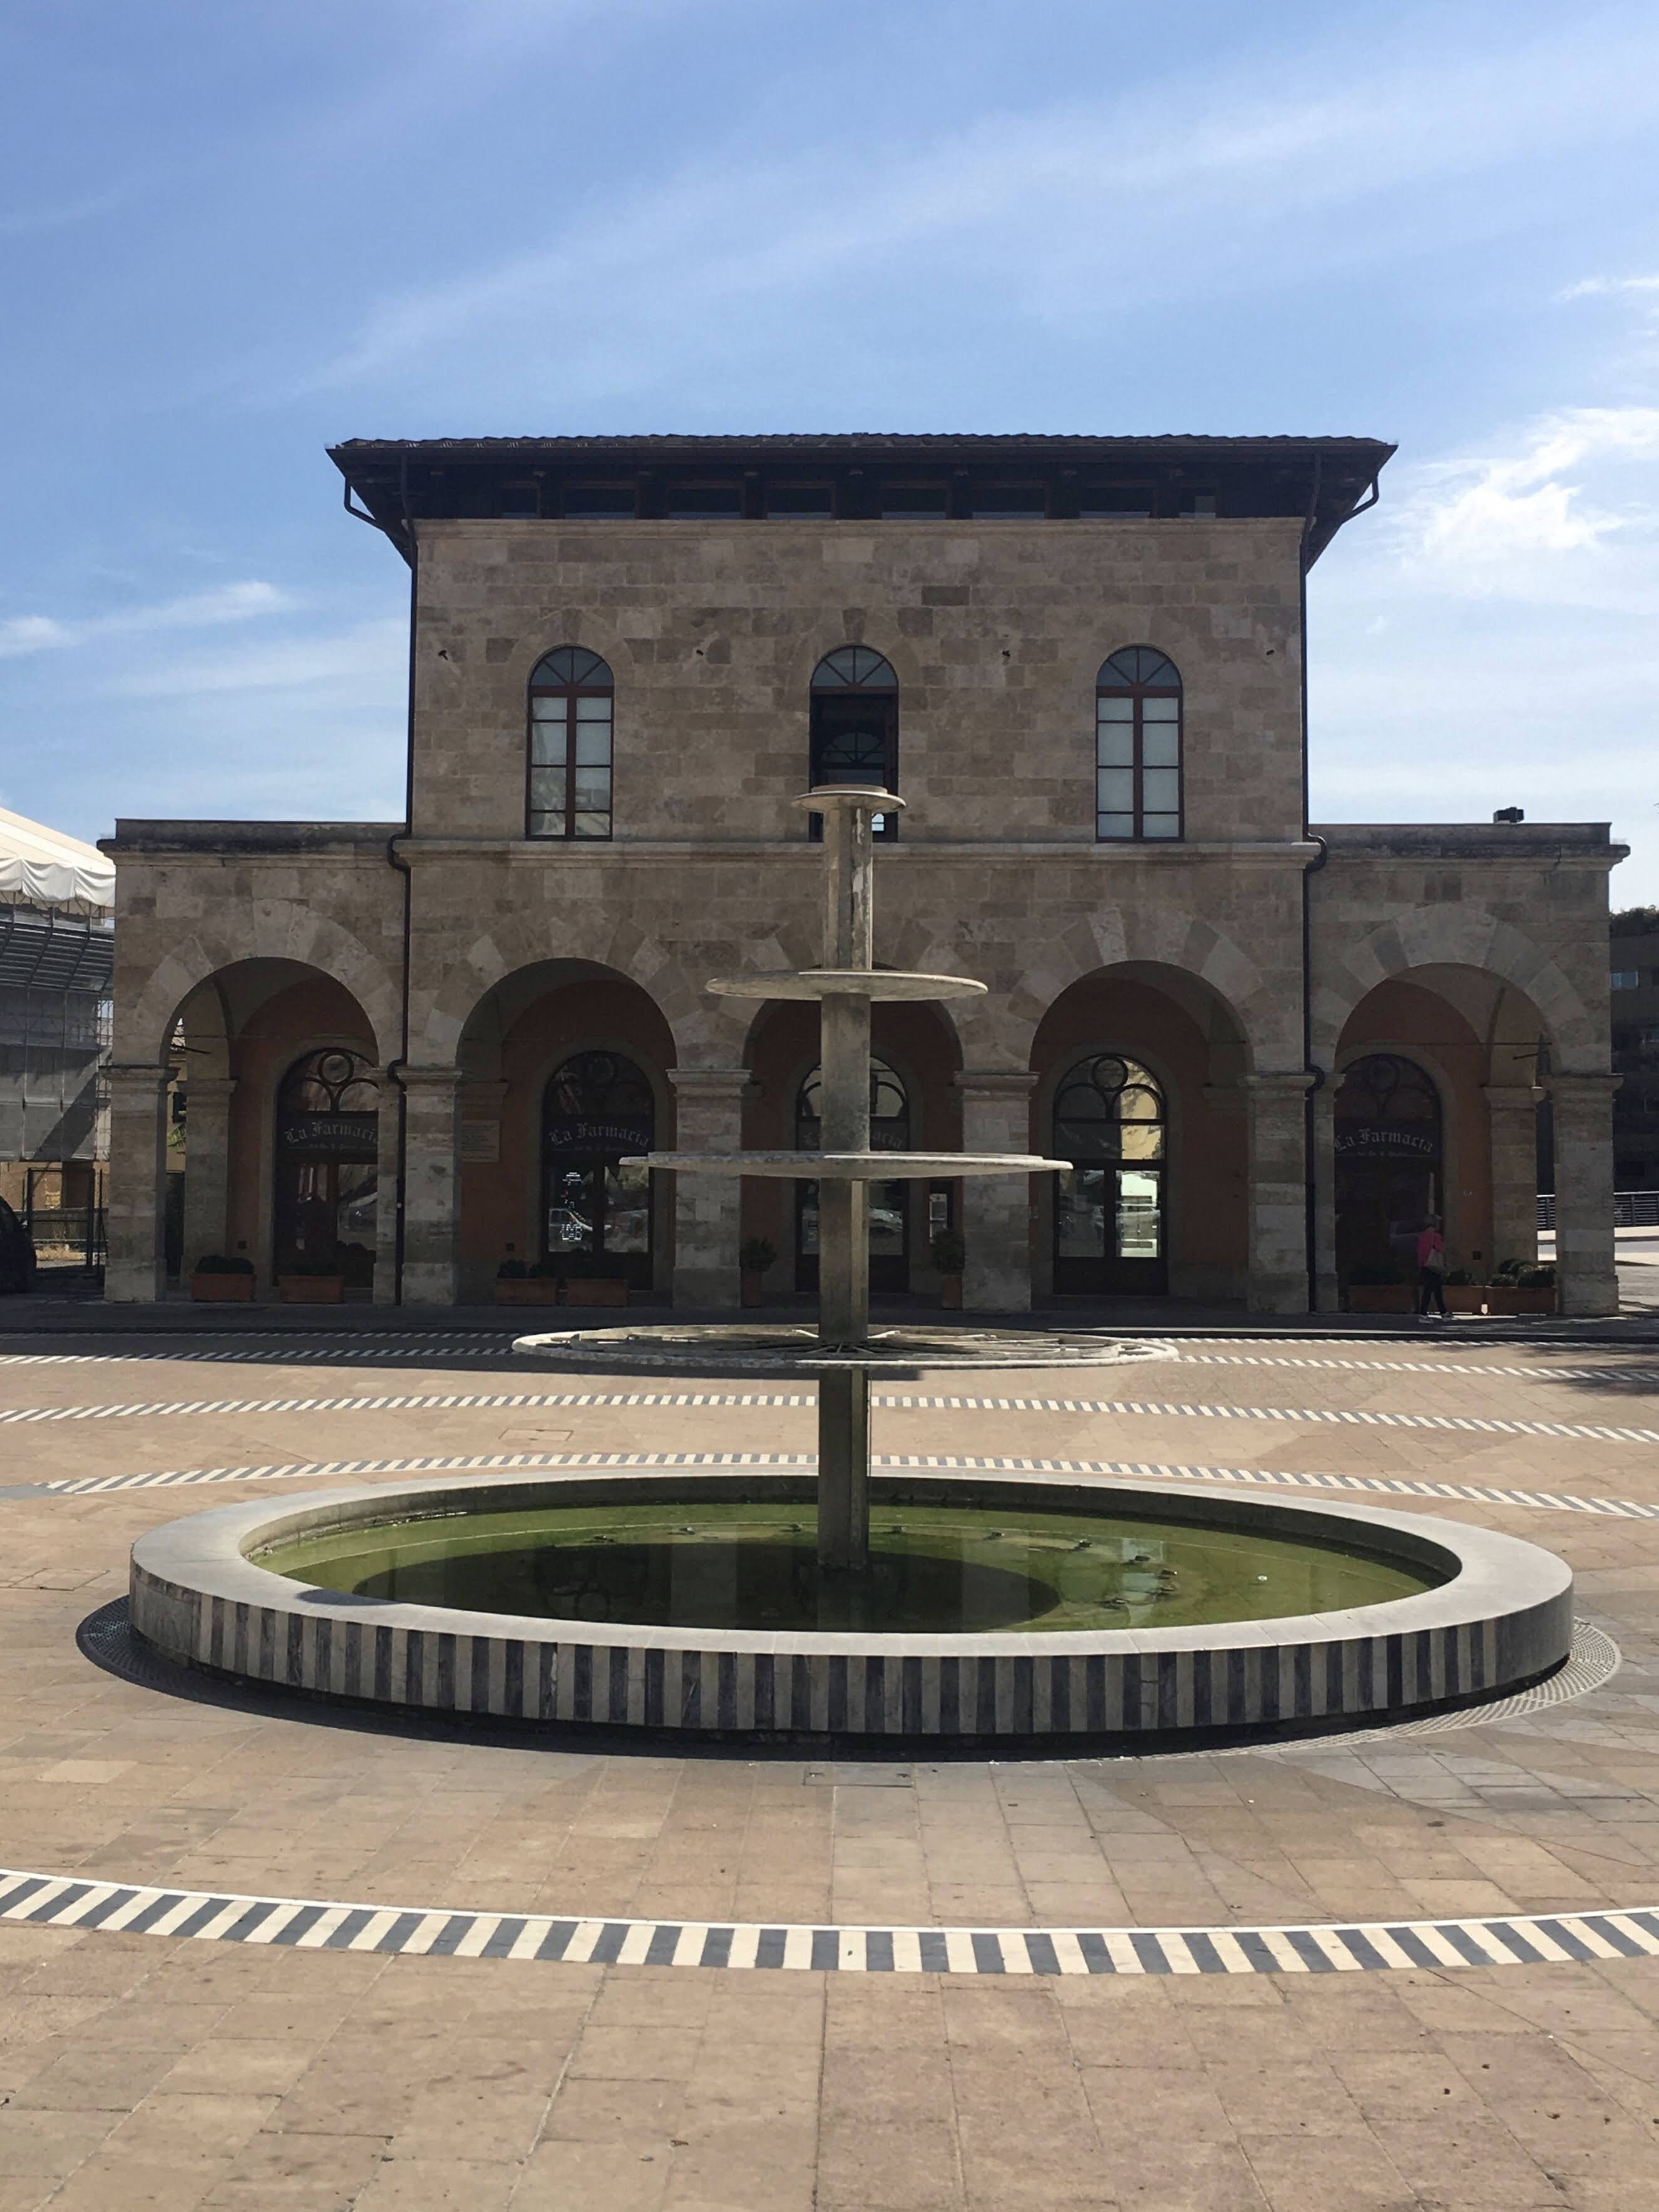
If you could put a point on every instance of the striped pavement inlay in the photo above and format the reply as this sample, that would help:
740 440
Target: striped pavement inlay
1296 1416
342 1354
85 1906
1386 1486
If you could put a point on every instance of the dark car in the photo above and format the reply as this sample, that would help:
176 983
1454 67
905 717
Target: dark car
16 1252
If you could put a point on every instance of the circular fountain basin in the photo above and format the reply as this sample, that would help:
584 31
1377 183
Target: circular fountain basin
997 1611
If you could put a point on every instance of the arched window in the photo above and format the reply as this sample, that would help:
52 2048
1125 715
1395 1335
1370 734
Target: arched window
327 1149
598 1108
1389 1166
854 726
889 1202
568 790
1110 1209
1137 745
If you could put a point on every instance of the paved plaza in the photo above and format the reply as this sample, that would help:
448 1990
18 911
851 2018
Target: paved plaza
263 1955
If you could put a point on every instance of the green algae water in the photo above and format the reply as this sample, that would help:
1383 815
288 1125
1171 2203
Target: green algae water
934 1570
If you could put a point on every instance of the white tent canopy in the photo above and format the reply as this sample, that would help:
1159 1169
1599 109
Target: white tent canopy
42 867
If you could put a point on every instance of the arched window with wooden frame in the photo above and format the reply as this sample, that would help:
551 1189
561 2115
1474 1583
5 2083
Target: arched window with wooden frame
1138 734
854 727
568 786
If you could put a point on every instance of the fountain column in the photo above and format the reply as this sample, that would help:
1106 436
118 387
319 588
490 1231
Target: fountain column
844 1205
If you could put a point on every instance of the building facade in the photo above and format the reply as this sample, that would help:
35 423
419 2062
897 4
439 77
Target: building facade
413 1050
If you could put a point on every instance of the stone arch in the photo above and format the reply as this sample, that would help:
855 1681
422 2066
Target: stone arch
707 1031
1454 937
278 930
1176 946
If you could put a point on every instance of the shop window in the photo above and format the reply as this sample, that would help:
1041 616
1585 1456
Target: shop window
327 1153
598 1109
854 727
889 1202
1138 743
1110 1206
569 793
1389 1166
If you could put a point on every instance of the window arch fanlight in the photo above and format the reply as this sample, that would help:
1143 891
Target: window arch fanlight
1110 1121
890 1110
568 761
1138 769
854 726
327 1145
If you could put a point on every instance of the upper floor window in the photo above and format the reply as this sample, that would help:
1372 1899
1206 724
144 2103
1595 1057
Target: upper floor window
1137 745
1627 979
854 726
568 792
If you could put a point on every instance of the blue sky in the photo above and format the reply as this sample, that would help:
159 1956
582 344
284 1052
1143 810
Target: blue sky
231 235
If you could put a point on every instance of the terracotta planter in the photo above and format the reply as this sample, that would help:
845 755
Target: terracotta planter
1382 1297
1517 1299
526 1291
600 1291
310 1289
1466 1297
750 1288
950 1293
210 1290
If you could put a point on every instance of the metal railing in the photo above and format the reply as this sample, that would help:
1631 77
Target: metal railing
1632 1209
65 1236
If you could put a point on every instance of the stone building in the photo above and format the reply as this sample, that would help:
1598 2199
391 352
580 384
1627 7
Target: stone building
413 1049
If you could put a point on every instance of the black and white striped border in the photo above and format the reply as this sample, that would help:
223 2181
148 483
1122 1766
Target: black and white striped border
1373 1486
496 1401
66 1901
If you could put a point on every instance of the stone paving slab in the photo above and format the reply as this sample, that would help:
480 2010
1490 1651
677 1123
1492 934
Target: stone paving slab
180 2070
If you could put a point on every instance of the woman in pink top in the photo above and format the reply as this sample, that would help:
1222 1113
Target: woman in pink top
1431 1269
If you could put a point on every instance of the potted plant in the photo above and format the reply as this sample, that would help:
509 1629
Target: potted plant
754 1256
1380 1286
589 1279
521 1284
218 1276
950 1256
320 1284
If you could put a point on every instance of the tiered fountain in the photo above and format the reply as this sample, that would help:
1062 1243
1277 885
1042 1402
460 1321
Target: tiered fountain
988 1606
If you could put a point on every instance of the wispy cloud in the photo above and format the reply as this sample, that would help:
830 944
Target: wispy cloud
1590 287
63 215
1073 207
229 603
369 658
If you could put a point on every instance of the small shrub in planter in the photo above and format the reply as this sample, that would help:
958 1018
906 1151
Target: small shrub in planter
950 1256
755 1256
218 1277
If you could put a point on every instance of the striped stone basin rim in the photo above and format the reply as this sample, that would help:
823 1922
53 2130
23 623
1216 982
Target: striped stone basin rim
1502 1619
88 1904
